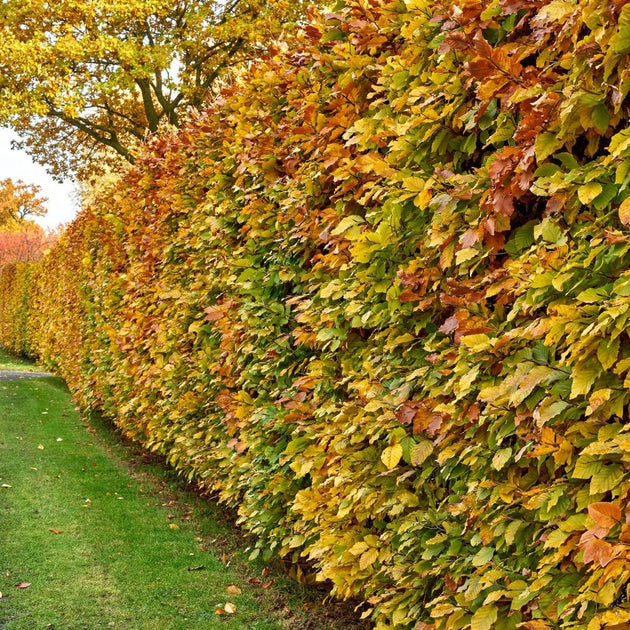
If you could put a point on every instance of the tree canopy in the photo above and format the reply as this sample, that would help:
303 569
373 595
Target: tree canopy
18 203
82 81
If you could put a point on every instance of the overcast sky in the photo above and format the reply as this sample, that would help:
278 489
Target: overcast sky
62 206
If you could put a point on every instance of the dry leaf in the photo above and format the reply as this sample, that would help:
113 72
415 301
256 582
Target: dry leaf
234 590
23 585
55 531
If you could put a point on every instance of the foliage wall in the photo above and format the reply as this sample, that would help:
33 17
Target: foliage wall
15 309
376 298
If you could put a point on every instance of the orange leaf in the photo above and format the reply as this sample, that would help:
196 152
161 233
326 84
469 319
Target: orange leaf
598 551
604 515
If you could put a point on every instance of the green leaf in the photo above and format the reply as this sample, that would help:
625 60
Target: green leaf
601 117
620 41
546 144
586 467
551 232
334 35
592 295
483 556
549 410
607 352
522 238
606 196
606 479
511 530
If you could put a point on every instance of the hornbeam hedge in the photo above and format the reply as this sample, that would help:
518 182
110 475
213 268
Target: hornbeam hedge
376 298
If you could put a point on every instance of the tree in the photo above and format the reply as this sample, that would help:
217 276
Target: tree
26 244
82 75
19 202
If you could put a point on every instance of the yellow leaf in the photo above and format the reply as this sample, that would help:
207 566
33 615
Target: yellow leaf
624 211
597 399
466 254
358 548
422 199
484 618
369 557
414 184
230 609
588 192
583 379
501 458
392 455
234 590
420 452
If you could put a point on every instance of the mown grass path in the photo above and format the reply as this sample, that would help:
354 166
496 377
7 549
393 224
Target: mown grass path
104 543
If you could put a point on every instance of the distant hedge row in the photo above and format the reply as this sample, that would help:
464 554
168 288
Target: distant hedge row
376 298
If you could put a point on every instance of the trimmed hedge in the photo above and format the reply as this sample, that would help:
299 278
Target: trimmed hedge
376 298
15 310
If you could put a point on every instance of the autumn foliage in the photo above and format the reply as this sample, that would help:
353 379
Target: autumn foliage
376 298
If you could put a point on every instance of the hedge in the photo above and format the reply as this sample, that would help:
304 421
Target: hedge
375 297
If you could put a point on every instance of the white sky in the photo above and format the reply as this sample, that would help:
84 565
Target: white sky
62 206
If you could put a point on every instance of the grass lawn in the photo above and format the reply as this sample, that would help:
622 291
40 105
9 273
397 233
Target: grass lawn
13 363
105 537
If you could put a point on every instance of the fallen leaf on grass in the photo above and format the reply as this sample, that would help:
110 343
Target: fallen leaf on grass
201 567
6 485
234 590
174 526
228 609
23 585
41 447
55 531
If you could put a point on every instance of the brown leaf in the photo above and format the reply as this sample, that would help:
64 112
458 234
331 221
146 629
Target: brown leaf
230 609
406 413
213 313
451 324
234 590
55 531
23 585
